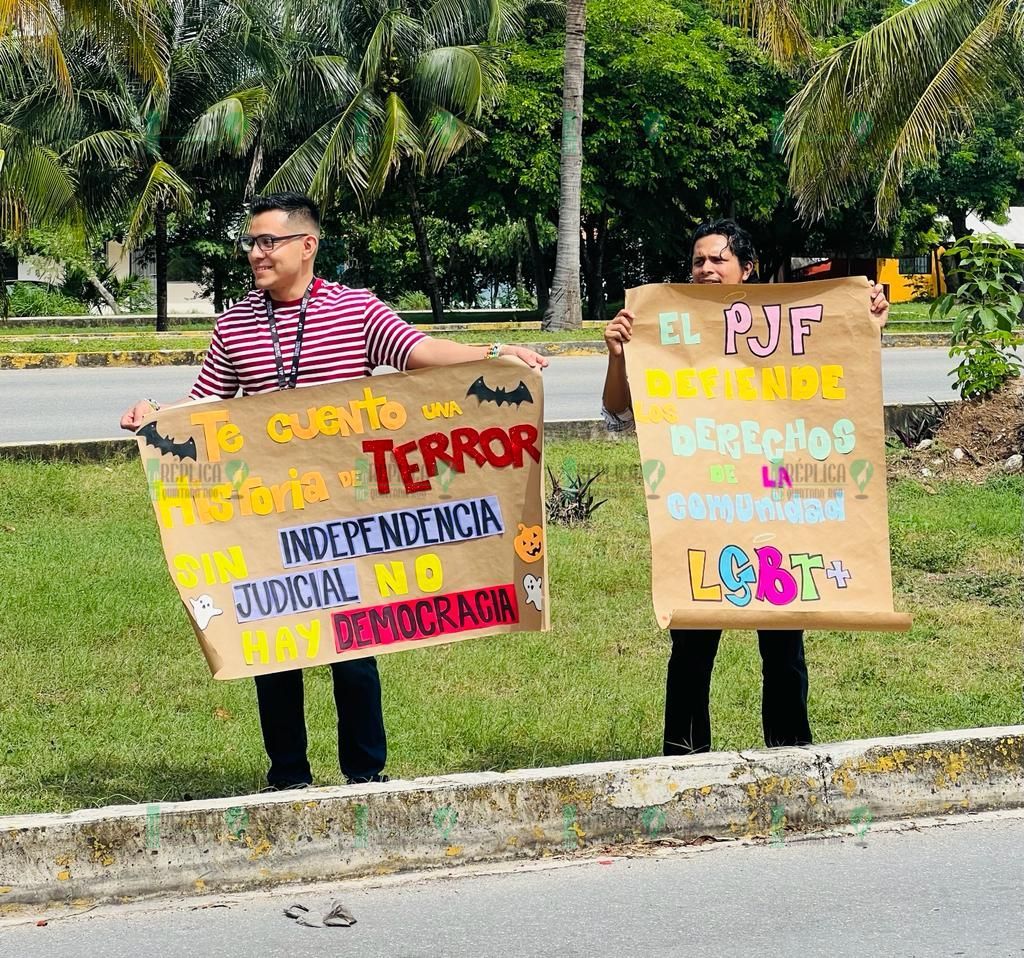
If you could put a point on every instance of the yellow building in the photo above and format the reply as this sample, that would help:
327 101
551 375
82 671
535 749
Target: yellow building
911 277
905 277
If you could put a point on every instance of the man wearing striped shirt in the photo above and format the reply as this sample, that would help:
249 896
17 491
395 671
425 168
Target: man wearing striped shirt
296 329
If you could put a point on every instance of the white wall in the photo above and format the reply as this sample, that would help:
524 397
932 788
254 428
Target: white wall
181 297
1012 230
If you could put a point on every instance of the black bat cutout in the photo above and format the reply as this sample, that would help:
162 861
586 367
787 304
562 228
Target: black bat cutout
500 395
182 450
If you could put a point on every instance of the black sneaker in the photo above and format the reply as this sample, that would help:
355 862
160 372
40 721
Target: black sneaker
294 786
381 777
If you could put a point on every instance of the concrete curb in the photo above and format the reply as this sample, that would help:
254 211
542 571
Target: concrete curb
98 450
194 357
126 357
346 832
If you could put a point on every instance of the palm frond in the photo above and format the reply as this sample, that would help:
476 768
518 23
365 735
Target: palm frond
346 152
399 139
947 106
396 36
465 80
870 109
36 188
445 135
336 153
458 22
776 26
133 27
162 184
227 126
321 80
110 149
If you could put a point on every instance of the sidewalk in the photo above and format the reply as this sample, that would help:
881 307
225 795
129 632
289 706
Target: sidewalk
351 831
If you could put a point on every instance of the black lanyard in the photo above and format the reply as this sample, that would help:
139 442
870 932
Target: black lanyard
289 381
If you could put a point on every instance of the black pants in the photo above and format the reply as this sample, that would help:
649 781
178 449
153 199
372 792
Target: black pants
783 699
362 745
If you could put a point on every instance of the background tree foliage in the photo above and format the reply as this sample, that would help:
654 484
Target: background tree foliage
155 120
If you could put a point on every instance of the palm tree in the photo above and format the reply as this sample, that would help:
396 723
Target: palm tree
877 107
426 73
123 145
564 310
36 185
43 26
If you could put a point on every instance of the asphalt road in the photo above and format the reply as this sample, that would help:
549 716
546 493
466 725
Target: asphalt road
44 404
913 891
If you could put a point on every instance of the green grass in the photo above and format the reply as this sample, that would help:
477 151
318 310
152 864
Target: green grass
105 697
903 318
69 343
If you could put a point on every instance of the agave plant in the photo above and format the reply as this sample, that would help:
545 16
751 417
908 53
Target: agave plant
571 502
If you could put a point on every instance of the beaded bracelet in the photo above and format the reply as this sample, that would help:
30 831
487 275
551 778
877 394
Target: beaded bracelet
495 351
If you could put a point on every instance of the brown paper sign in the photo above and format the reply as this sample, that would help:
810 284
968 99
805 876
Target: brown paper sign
309 526
759 417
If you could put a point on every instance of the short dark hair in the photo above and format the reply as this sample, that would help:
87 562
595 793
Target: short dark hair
740 243
292 203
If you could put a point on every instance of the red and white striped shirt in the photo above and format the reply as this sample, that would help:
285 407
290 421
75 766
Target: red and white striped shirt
348 333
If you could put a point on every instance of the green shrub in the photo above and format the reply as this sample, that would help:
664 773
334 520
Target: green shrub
988 305
414 299
35 299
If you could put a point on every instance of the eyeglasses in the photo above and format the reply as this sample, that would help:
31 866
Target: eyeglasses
265 241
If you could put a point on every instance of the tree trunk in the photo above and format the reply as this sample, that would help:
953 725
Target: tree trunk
426 257
218 287
161 267
104 293
540 273
255 169
593 262
563 311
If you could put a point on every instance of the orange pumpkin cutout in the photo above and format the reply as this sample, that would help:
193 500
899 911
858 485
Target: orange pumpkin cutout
529 544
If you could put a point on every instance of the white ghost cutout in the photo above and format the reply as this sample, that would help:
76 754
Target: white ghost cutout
203 610
534 594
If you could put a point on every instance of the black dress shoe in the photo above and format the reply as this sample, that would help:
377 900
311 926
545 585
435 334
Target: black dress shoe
293 786
381 777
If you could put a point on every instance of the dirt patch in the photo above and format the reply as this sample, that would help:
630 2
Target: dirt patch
975 440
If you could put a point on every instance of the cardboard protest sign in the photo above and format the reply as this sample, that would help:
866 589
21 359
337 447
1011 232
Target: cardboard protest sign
760 423
309 526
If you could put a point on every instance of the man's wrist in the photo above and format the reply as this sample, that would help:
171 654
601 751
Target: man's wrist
154 404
